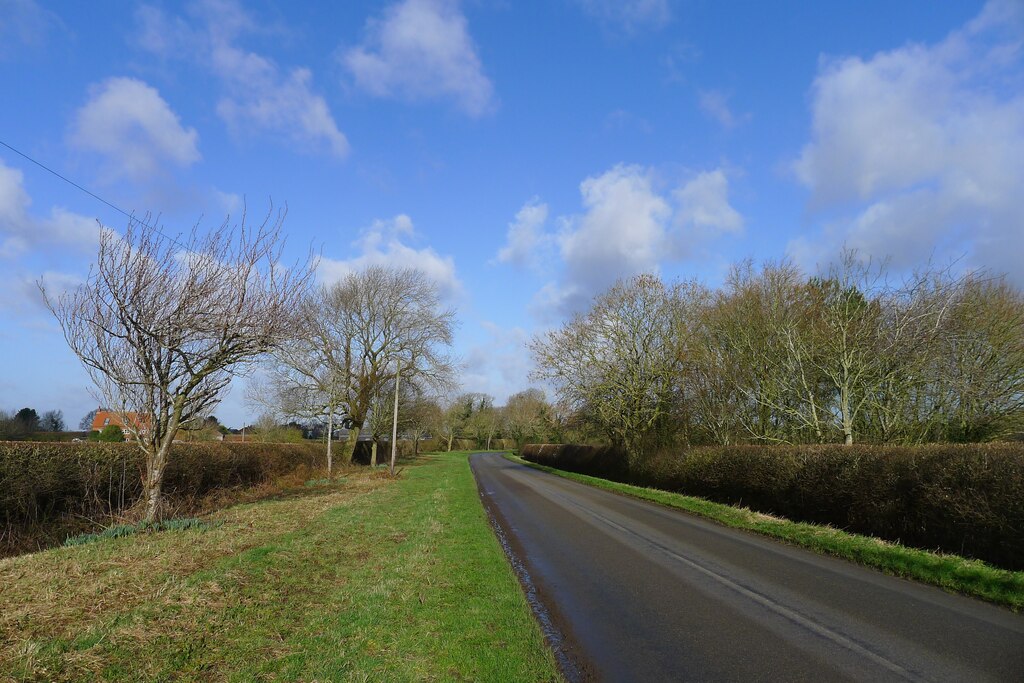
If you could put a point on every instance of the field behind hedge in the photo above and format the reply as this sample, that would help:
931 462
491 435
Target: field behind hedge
48 489
962 499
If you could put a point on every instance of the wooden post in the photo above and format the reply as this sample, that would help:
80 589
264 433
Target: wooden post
394 425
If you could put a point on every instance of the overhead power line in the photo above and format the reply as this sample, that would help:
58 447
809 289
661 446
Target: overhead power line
131 217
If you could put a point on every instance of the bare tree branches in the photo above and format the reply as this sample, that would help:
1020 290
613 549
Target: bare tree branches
775 356
162 325
349 339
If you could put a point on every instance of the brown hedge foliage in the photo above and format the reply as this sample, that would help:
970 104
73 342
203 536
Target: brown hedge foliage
963 499
41 481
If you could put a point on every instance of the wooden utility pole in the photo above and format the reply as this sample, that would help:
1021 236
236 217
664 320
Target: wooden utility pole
394 426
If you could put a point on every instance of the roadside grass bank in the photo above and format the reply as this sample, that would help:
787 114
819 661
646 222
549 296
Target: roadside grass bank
370 578
949 572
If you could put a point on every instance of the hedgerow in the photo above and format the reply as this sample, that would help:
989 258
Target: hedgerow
42 481
963 499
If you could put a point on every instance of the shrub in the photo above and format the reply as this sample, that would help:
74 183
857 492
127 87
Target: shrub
110 434
963 499
42 481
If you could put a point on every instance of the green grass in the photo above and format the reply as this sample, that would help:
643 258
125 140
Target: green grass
949 572
122 530
373 579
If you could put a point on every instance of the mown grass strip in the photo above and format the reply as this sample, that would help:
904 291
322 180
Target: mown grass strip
949 572
373 579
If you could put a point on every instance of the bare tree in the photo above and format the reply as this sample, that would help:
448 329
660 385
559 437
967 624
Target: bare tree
306 376
977 389
424 414
162 325
52 421
488 421
387 318
526 416
85 424
621 361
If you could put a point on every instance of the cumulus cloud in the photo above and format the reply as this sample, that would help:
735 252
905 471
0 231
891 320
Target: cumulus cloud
629 225
919 151
129 123
260 96
421 50
20 231
704 208
384 243
526 235
622 232
628 16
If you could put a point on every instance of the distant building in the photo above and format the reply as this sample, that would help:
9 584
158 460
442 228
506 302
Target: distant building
105 418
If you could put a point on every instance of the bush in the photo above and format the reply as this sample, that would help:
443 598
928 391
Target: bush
963 499
110 434
43 481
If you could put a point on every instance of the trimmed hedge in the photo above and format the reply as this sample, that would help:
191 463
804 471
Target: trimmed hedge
962 499
42 481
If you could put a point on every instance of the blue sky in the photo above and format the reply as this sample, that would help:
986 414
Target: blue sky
524 154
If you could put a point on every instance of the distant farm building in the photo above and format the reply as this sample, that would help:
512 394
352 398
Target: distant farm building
105 418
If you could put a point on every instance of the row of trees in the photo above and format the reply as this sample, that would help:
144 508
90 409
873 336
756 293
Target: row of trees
526 416
25 422
777 357
163 324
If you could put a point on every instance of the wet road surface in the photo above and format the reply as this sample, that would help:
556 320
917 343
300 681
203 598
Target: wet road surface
632 591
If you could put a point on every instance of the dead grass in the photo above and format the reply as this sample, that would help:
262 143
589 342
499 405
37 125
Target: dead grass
61 593
374 578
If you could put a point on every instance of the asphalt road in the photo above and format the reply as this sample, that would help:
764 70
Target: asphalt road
632 591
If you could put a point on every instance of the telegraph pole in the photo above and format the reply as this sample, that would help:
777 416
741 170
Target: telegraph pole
394 426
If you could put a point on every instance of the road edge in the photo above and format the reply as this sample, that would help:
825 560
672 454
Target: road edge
572 670
972 578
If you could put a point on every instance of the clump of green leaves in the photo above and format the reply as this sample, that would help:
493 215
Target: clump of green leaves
323 482
122 530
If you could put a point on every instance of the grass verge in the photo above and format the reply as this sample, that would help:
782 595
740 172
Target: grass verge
372 578
949 572
122 530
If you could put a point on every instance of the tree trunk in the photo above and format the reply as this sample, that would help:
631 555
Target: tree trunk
488 442
373 453
349 449
416 445
844 408
153 484
451 437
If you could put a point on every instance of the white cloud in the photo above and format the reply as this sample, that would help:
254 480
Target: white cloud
421 50
23 23
919 151
384 244
129 123
526 235
703 207
629 226
715 105
628 16
260 96
20 231
621 233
